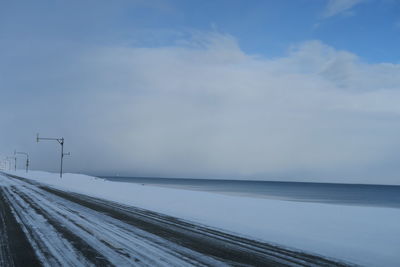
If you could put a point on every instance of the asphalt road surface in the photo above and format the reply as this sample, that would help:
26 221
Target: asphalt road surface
44 226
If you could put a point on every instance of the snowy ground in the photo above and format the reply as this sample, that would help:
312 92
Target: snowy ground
44 226
363 235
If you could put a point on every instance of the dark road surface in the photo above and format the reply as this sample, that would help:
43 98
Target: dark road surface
43 226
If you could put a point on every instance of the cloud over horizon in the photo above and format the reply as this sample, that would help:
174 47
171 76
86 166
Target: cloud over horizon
203 107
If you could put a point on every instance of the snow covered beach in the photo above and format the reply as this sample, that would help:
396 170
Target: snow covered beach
362 235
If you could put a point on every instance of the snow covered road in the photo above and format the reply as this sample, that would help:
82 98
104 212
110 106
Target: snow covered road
44 226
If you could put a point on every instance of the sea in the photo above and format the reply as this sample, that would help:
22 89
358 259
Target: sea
333 193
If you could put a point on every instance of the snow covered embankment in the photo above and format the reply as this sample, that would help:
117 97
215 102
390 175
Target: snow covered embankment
363 235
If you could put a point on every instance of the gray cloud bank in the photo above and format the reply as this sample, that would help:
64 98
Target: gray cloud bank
202 107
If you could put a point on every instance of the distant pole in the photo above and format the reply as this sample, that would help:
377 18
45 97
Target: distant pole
15 162
62 156
8 164
61 142
27 159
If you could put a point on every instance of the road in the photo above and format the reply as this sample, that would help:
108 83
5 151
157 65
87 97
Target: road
44 226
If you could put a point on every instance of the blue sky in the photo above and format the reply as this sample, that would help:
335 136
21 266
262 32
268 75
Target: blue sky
304 90
368 28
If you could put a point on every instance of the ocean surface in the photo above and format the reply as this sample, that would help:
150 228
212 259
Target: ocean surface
345 194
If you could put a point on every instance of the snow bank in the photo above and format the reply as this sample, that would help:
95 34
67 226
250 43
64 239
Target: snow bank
367 236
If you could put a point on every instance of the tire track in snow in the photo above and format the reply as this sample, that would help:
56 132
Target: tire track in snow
5 252
76 235
229 248
78 244
50 246
111 238
126 235
15 249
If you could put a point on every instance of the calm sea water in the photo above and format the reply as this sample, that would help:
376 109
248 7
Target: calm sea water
347 194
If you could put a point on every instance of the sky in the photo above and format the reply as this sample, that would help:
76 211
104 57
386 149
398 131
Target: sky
304 90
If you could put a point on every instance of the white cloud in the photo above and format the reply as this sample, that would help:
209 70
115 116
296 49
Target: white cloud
206 108
336 7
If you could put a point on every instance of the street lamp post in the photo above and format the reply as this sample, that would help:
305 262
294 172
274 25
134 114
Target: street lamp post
15 162
27 158
61 142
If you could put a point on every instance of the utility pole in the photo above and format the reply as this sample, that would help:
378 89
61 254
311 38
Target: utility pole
9 163
27 158
61 142
15 162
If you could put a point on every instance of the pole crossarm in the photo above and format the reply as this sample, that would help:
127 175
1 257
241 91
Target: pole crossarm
61 142
22 153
